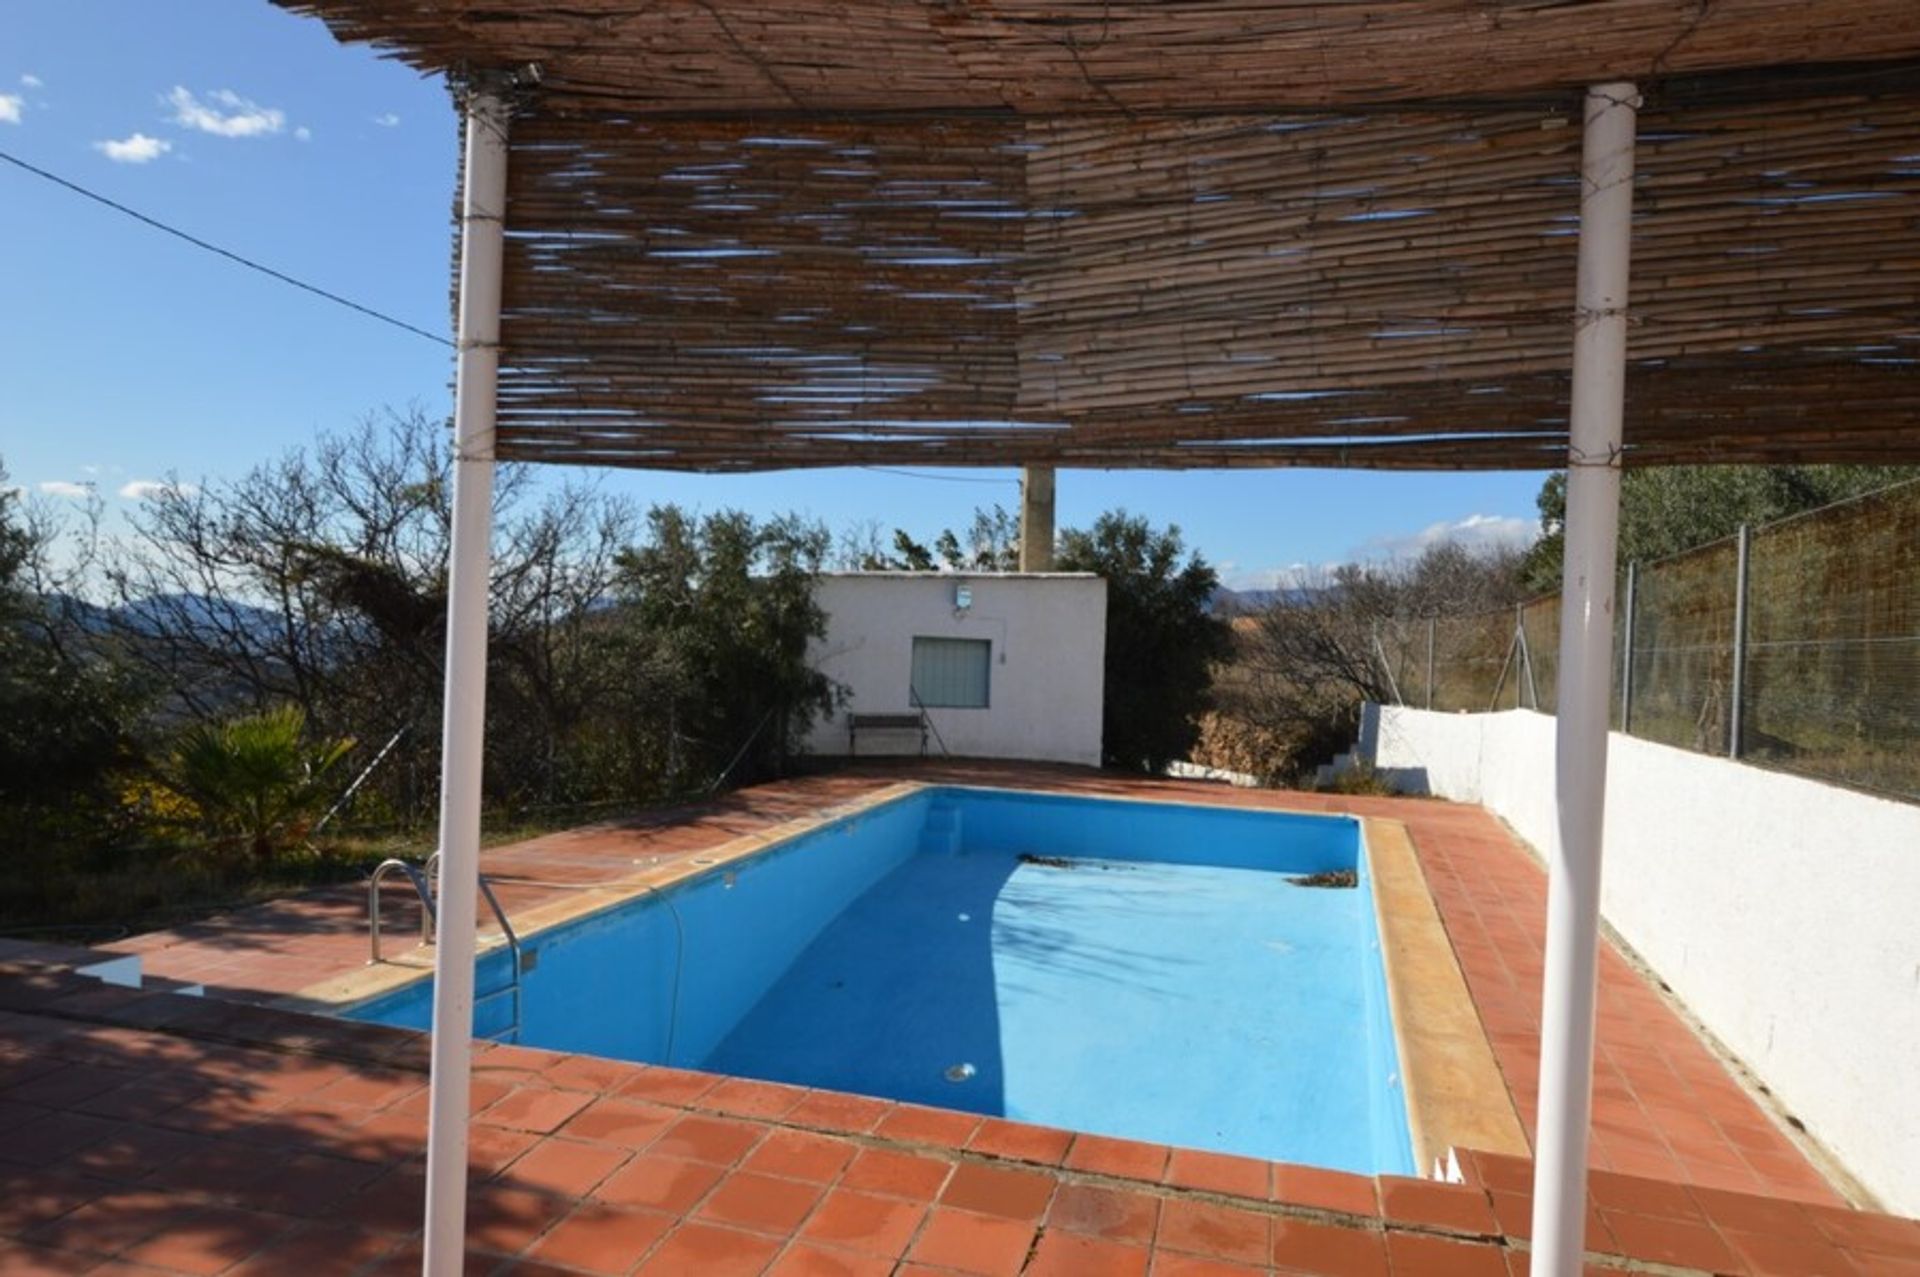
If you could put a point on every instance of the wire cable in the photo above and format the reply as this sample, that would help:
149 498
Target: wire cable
942 478
338 300
350 304
197 242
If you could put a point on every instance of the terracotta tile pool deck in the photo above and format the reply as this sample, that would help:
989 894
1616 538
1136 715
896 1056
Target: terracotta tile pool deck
144 1132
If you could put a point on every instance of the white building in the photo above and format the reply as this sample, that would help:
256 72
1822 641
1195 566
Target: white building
1005 665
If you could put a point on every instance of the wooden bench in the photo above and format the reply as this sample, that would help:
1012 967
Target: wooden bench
857 723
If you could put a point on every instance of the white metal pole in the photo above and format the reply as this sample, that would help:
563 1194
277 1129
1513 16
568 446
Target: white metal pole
1586 640
482 204
1431 624
1743 549
1626 649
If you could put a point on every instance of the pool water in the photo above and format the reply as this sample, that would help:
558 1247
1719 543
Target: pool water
1145 970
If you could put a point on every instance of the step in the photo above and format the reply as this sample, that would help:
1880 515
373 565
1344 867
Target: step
495 1015
940 834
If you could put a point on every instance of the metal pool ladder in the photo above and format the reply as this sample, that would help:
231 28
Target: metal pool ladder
424 878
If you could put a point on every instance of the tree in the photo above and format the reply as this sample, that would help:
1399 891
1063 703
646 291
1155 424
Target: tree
1162 637
991 544
64 713
715 616
908 556
1667 509
319 580
1304 664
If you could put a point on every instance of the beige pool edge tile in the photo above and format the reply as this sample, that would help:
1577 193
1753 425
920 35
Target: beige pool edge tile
1457 1098
349 988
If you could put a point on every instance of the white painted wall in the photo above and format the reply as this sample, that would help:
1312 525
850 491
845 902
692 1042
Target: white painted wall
1784 912
1049 637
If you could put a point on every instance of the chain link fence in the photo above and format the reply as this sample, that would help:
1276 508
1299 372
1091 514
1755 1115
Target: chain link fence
1795 645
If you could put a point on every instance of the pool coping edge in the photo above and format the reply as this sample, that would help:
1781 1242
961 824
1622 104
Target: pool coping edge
1456 1095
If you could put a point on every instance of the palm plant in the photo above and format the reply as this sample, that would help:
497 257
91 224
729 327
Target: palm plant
256 780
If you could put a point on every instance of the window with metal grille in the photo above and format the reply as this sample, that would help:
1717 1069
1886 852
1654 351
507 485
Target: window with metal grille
951 673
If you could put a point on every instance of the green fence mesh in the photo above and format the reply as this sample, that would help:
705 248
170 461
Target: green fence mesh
1831 681
1472 668
1683 648
1540 625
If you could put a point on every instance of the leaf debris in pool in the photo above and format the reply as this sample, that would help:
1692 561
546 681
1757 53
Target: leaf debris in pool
1328 878
1062 862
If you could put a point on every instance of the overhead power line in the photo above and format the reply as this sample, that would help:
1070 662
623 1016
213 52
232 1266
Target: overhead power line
215 249
943 478
350 304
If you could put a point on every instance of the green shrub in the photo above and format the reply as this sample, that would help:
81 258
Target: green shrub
256 781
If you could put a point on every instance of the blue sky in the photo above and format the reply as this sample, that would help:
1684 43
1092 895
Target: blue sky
126 356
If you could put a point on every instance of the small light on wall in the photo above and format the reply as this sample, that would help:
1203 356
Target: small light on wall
962 597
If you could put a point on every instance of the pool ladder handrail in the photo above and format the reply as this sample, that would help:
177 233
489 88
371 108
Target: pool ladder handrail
425 880
421 887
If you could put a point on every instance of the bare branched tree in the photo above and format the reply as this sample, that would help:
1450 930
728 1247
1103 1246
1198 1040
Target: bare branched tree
1334 639
320 580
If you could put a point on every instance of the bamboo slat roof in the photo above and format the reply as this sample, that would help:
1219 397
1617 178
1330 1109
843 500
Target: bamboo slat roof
1185 234
1051 57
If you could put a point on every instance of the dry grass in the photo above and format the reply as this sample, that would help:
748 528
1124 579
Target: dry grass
1362 779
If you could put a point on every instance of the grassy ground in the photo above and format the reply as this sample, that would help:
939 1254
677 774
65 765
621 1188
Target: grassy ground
96 896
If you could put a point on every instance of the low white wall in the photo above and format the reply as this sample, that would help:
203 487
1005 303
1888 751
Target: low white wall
1046 686
1784 912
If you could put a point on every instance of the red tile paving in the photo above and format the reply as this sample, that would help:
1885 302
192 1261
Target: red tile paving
1664 1107
149 1133
268 951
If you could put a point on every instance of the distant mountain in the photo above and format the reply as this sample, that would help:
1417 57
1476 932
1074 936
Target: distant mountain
200 686
197 611
148 616
1241 602
91 617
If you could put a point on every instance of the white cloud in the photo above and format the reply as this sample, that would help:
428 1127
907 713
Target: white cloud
32 81
303 134
143 489
62 488
224 113
1478 532
137 149
387 120
11 107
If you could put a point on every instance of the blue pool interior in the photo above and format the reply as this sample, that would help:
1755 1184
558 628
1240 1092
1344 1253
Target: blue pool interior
1168 982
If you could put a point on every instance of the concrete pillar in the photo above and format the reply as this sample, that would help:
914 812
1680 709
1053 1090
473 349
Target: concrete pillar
1036 519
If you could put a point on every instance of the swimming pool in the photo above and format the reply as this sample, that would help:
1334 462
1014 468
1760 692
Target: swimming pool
1147 970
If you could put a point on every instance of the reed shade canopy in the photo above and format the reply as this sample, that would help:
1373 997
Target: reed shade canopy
1201 234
